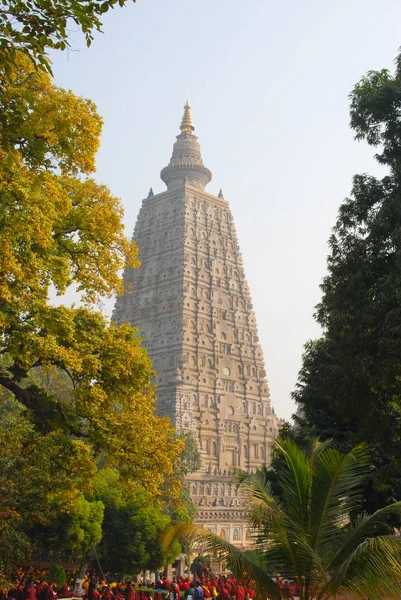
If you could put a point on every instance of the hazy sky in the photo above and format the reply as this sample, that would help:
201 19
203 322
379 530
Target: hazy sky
268 83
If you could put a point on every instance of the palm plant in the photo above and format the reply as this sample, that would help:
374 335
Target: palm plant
307 532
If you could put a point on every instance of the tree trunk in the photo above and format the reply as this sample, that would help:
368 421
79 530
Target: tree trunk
84 568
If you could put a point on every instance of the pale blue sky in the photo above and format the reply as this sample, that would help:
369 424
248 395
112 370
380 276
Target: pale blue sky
268 83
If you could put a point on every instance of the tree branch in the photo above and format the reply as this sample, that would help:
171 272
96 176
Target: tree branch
20 393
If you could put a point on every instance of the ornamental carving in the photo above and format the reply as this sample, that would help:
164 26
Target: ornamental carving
195 311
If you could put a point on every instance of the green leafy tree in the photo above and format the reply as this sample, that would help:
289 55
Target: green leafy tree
307 533
82 388
133 523
78 530
43 480
177 495
57 575
349 386
36 26
190 460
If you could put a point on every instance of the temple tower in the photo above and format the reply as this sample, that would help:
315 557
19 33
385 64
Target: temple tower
191 302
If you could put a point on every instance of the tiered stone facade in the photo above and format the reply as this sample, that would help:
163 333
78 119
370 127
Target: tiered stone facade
191 302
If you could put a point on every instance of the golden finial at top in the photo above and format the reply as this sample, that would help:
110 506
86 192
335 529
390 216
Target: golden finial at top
187 123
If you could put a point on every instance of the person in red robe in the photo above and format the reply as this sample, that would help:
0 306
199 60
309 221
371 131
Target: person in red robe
48 593
65 592
240 592
129 592
106 593
187 583
29 592
117 592
224 592
20 591
39 590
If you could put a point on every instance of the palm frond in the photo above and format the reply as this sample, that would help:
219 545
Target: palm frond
295 559
273 526
306 533
335 492
372 570
317 448
264 508
255 485
247 567
295 480
363 527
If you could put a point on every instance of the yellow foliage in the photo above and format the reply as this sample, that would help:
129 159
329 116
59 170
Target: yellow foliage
58 227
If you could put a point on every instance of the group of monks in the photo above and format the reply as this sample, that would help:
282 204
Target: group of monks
205 585
221 587
36 590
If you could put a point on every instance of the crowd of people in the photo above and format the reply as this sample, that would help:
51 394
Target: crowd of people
38 589
207 585
204 585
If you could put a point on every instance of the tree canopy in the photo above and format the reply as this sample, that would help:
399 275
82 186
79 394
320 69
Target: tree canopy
44 479
134 521
36 26
80 388
59 227
349 387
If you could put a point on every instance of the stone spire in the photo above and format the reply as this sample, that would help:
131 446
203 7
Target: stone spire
186 161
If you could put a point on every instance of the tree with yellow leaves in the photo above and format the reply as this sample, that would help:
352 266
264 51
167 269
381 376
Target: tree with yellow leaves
76 392
59 228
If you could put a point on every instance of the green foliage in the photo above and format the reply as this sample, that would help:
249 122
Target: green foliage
349 387
14 550
307 531
176 491
191 459
79 530
35 26
44 480
57 575
133 523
